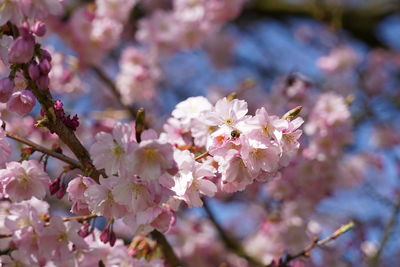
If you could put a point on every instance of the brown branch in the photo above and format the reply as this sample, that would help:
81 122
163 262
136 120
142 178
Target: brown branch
45 150
166 248
113 89
80 218
318 243
5 236
229 242
54 124
201 156
387 234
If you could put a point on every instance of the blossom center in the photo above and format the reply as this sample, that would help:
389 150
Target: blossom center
63 237
228 121
117 150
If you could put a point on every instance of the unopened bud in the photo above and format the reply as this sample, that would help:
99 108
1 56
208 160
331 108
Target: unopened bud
39 29
231 96
292 114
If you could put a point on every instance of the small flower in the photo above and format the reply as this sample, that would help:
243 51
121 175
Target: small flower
21 102
101 199
152 158
114 152
21 181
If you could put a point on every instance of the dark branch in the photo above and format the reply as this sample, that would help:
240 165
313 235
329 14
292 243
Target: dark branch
229 242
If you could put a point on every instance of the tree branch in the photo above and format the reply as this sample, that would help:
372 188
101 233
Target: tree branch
54 124
45 150
166 248
316 243
387 234
229 242
113 89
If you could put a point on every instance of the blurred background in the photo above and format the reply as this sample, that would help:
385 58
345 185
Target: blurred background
278 54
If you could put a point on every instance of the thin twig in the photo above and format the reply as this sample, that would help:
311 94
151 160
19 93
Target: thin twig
201 156
387 234
166 248
113 89
80 218
229 242
45 150
318 243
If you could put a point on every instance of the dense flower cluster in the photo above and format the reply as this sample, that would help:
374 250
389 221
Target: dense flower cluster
147 178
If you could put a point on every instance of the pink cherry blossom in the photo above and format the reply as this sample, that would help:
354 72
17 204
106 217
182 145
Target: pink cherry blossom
227 115
59 236
21 181
76 194
260 156
101 199
152 158
21 102
235 175
113 152
192 182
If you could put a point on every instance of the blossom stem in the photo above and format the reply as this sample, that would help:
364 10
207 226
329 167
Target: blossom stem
166 248
45 150
229 242
201 156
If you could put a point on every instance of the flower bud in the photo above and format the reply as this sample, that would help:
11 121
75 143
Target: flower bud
6 89
21 102
43 82
113 238
105 236
34 71
85 230
39 29
45 66
54 186
24 30
45 55
61 192
21 51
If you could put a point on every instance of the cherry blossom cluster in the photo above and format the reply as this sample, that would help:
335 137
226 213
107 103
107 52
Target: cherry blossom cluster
246 148
96 29
187 24
17 11
37 239
138 75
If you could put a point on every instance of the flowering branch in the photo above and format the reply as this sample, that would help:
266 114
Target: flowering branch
45 150
166 248
315 243
229 242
